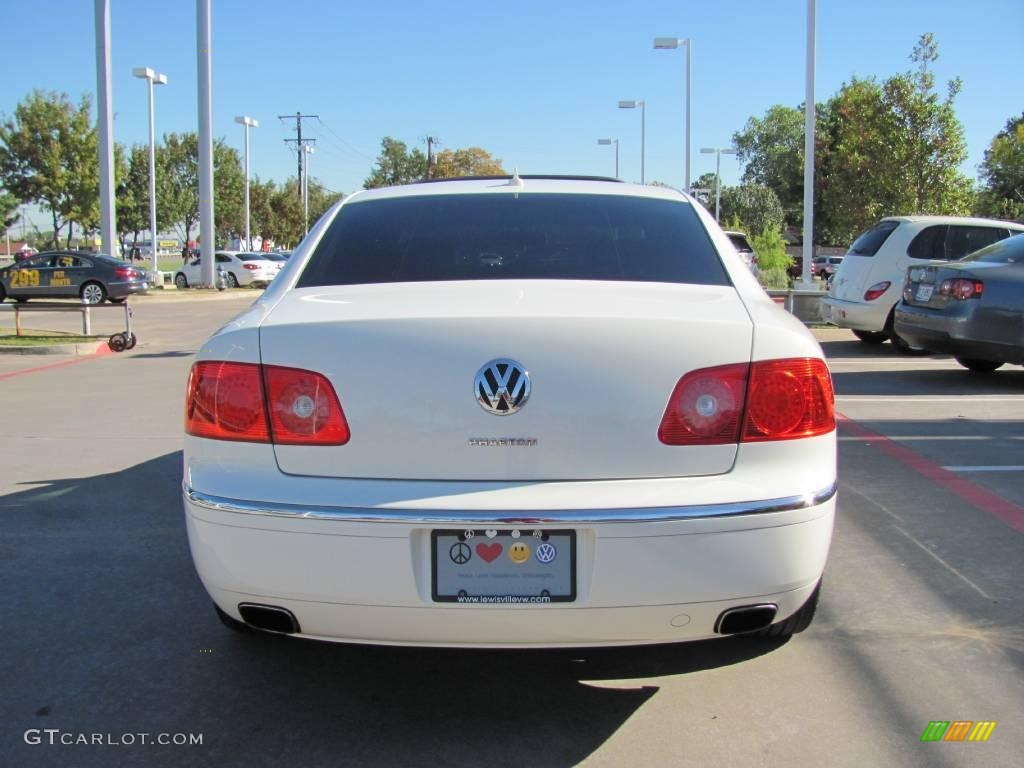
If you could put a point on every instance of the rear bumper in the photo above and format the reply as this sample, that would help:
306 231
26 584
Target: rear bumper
950 334
117 290
857 315
644 575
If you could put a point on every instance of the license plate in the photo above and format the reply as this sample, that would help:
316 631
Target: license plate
490 567
924 292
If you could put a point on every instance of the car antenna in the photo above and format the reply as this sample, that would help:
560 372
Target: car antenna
515 181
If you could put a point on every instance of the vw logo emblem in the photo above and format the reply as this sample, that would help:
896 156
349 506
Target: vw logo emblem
502 387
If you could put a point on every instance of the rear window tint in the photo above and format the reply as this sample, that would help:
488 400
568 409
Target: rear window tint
1009 251
929 243
515 237
964 240
869 242
740 243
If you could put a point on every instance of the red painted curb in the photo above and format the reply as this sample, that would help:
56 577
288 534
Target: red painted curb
103 351
986 501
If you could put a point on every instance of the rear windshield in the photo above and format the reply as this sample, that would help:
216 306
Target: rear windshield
1009 251
869 242
515 237
251 257
739 242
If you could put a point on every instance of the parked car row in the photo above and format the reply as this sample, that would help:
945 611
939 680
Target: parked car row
240 268
936 284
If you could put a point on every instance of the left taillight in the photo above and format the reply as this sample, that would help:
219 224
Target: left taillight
263 404
876 290
125 272
766 400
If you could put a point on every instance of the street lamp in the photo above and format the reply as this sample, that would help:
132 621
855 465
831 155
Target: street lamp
616 143
153 78
668 44
643 131
307 150
718 168
810 110
248 122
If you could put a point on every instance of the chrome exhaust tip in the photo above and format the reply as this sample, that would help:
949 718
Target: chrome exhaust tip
269 618
746 618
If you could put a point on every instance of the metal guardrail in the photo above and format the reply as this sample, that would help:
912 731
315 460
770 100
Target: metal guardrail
118 341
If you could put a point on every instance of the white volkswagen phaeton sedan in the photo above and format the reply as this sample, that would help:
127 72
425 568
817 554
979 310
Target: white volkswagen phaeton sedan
512 412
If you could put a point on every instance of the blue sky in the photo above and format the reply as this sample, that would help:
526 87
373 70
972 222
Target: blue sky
534 83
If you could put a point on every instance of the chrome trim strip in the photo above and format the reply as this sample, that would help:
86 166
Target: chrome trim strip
459 517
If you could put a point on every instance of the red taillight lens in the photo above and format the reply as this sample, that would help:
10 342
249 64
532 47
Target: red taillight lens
789 399
225 402
228 401
766 400
125 272
304 409
876 290
251 266
705 407
962 289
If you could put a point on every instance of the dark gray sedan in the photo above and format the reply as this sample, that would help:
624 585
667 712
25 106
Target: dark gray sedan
972 309
92 277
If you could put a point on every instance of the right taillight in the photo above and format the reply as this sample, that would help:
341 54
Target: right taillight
962 289
765 400
787 399
263 404
876 290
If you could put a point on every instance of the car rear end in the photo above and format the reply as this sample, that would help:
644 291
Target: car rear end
482 414
122 279
865 285
972 309
256 269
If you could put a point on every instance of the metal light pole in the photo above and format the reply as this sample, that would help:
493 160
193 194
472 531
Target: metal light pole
307 150
643 132
616 143
204 56
248 122
809 113
671 43
153 78
718 173
105 128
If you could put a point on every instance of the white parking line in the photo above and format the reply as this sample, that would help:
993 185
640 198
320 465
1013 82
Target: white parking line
987 468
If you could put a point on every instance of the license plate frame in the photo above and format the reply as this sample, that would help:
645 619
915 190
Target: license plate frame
558 573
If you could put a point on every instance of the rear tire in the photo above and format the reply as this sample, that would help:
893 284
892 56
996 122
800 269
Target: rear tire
232 280
230 622
979 366
119 300
3 293
181 281
93 293
871 337
798 622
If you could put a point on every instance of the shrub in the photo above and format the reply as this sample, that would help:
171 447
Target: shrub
771 251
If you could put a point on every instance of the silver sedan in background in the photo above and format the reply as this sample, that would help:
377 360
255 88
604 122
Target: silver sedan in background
972 309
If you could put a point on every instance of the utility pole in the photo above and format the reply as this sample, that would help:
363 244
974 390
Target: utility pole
430 153
298 117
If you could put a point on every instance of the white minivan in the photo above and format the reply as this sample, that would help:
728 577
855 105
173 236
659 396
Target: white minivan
868 284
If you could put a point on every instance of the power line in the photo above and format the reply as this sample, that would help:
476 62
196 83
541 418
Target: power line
343 141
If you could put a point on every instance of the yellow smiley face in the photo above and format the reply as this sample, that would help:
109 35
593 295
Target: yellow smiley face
519 552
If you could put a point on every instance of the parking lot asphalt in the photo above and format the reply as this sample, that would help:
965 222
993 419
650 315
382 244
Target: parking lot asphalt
107 629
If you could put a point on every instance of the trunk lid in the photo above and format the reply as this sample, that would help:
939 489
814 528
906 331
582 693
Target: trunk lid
602 357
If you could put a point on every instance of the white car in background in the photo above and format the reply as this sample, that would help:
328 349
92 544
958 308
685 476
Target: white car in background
512 412
868 283
240 268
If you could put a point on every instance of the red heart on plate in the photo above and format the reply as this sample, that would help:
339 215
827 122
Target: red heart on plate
488 551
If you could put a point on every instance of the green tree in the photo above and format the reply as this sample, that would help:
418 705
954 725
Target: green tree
472 161
178 184
396 164
8 210
704 190
756 205
133 198
772 149
48 155
1002 173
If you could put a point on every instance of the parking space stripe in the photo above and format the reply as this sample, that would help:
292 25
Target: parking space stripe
987 468
103 351
997 506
